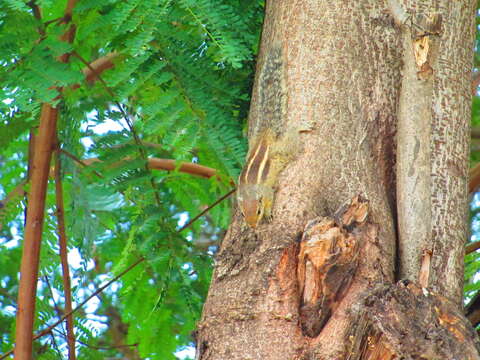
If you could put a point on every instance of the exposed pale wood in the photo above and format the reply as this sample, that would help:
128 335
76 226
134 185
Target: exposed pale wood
424 272
327 262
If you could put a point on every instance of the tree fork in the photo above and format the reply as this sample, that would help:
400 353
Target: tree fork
44 146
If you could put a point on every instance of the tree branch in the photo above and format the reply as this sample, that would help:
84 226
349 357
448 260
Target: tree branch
33 233
153 164
94 69
62 237
99 290
43 147
475 82
471 247
474 182
169 165
475 130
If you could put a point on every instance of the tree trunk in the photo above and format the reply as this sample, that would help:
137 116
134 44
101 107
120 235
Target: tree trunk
321 279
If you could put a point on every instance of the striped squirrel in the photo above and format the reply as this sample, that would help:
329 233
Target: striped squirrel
272 144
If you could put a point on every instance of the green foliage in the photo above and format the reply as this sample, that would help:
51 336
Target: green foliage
179 89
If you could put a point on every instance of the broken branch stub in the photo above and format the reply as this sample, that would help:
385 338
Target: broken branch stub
328 259
405 321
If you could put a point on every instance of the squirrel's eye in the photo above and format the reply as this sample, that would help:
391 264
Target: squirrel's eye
259 211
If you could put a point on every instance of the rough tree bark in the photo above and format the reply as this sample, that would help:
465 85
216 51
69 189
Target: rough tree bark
323 279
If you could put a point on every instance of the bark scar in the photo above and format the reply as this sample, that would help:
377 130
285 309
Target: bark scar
424 27
328 260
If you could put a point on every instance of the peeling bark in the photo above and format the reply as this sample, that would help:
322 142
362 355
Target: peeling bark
405 321
327 263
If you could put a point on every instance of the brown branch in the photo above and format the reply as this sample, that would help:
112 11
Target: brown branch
475 82
471 247
169 165
93 70
62 236
153 164
37 13
474 182
33 233
78 160
35 215
207 209
475 134
189 168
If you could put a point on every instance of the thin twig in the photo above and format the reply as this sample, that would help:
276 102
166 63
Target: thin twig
54 342
55 305
62 239
129 123
80 161
207 209
106 347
